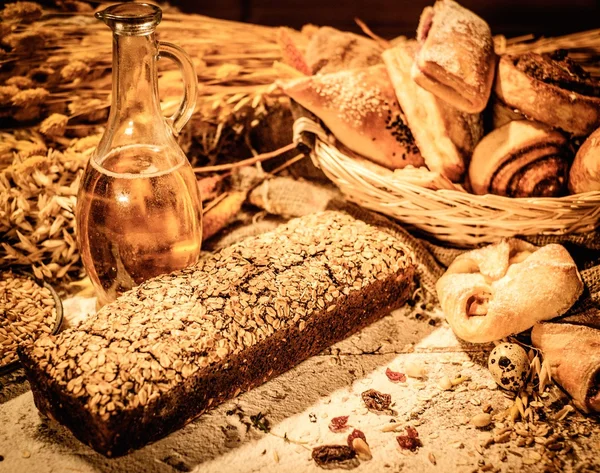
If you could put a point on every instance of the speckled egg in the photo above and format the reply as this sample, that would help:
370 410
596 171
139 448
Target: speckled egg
508 363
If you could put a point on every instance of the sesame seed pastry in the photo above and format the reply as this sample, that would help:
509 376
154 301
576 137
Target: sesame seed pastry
361 110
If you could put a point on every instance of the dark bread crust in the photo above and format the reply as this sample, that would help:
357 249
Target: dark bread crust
134 427
543 94
210 387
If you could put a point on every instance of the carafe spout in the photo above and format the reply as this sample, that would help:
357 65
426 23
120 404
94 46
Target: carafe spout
131 18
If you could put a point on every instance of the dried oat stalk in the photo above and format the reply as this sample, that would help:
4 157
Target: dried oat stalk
38 189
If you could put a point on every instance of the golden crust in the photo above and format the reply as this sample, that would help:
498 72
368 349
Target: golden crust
361 110
585 171
521 158
456 60
520 284
548 103
331 50
574 358
445 136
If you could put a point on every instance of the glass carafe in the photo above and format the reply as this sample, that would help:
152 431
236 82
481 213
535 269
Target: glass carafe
139 209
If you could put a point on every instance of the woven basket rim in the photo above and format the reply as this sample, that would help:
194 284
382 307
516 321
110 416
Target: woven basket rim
447 214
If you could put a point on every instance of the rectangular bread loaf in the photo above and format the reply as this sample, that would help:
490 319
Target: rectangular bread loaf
178 344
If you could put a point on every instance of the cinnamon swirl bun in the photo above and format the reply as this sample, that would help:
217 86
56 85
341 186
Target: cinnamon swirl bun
521 159
551 89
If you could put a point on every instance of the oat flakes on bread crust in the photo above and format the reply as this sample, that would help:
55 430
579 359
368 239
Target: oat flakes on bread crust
181 343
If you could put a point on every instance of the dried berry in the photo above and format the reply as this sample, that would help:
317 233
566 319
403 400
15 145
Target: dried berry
312 417
410 441
412 432
395 376
376 400
354 435
334 456
338 424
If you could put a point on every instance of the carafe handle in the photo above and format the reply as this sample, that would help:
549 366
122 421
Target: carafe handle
190 84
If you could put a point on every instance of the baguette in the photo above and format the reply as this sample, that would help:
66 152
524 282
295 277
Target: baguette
178 344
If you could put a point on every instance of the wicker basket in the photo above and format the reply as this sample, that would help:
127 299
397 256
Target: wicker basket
450 216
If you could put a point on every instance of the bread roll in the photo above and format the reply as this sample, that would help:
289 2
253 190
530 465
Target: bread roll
331 50
571 346
521 159
585 171
505 288
456 61
168 350
551 89
445 136
361 110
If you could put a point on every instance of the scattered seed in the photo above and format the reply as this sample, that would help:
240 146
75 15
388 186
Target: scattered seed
445 384
481 420
362 449
459 380
502 438
391 427
564 412
415 369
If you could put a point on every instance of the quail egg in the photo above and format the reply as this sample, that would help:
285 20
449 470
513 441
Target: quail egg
508 363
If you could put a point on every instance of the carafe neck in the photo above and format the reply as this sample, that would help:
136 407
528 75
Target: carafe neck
135 82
